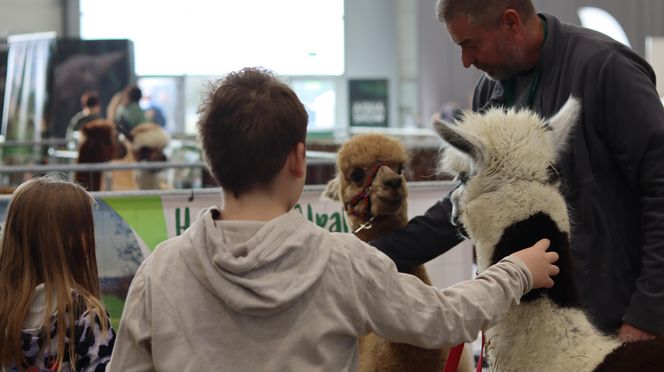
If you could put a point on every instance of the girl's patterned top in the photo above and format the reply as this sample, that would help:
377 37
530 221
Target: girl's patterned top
93 349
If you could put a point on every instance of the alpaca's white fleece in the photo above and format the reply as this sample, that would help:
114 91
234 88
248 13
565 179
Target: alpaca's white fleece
508 183
150 135
541 336
489 214
538 335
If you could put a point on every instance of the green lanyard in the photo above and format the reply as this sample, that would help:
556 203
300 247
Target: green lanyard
510 85
510 90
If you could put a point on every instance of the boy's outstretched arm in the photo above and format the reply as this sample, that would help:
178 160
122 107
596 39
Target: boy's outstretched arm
423 239
401 308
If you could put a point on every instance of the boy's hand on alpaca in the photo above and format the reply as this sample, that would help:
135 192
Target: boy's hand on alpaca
540 263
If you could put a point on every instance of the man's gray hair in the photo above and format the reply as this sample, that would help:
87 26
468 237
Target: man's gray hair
482 12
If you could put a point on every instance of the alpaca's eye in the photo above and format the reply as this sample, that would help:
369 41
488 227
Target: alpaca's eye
399 169
357 175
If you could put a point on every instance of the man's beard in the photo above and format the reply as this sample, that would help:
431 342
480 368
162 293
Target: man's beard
514 58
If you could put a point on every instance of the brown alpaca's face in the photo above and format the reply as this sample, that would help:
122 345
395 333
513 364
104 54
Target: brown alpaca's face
373 165
387 191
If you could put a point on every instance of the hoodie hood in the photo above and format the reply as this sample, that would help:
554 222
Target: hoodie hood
263 274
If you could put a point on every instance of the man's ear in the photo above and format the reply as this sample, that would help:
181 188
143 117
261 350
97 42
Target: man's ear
297 160
511 20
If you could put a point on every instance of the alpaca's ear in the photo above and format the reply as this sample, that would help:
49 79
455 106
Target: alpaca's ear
561 123
332 189
461 140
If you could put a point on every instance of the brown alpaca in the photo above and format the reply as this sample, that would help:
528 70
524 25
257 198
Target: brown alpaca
97 146
371 185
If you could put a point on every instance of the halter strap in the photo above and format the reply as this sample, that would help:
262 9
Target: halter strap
364 195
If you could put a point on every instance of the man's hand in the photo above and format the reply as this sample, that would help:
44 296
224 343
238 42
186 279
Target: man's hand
629 333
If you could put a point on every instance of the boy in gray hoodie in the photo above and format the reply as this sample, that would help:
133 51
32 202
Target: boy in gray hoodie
254 286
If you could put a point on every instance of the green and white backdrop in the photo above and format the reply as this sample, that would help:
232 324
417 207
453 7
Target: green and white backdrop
130 225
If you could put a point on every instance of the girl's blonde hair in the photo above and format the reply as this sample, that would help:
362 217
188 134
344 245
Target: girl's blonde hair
48 237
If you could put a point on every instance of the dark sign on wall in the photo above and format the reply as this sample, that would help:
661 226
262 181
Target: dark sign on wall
104 66
368 102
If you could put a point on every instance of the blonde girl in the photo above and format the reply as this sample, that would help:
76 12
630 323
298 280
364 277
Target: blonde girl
51 318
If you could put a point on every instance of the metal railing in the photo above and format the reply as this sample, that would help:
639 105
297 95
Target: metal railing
12 175
98 167
42 142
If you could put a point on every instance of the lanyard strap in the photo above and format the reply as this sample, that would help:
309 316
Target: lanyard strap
510 90
509 86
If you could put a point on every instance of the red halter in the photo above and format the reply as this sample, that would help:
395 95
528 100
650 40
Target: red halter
364 195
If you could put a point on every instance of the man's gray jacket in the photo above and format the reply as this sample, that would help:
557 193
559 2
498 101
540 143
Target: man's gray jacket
613 176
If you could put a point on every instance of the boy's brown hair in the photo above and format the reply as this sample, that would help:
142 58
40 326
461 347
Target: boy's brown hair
249 122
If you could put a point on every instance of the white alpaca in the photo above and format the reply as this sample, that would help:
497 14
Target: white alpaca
509 198
148 143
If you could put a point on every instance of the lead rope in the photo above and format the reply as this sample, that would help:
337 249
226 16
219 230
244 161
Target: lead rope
479 360
365 226
454 357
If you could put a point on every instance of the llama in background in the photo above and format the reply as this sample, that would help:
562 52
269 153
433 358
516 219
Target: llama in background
97 145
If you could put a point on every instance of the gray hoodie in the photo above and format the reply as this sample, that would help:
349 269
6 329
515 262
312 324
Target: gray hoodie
287 295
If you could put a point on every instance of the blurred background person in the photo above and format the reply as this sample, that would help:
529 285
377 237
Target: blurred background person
91 111
131 114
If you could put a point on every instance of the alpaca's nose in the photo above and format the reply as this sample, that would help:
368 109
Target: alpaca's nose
393 183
